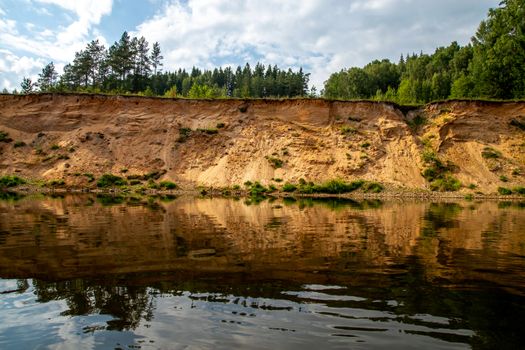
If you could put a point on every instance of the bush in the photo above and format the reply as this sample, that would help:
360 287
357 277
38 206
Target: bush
489 152
373 187
19 144
4 137
275 162
56 183
446 183
168 185
184 134
339 186
209 131
109 180
504 191
503 178
519 190
90 177
220 125
11 181
134 182
256 189
55 147
347 130
288 187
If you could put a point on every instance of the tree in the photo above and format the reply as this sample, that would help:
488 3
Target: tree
27 86
156 58
47 79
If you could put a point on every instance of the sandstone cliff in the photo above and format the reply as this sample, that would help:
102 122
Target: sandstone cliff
227 142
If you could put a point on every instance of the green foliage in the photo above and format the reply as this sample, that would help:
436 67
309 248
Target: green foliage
256 189
445 183
56 183
209 131
339 186
416 122
171 92
90 177
4 136
288 187
220 125
168 185
365 144
110 180
19 144
184 134
489 152
11 181
275 162
503 178
347 130
519 190
504 191
55 147
471 71
373 187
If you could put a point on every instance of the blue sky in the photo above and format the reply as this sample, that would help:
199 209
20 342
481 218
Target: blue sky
322 36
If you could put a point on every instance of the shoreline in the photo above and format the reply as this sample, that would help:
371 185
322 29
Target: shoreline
228 193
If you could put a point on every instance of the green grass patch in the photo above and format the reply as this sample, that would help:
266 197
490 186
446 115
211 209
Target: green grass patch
519 190
209 131
19 144
4 137
289 187
347 130
55 147
446 183
184 134
373 187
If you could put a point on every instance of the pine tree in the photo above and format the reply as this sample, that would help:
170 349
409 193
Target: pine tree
27 86
47 78
156 58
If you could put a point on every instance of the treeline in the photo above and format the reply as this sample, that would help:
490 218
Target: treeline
491 66
128 66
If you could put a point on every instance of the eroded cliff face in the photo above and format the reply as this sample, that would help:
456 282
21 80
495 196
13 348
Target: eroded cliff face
232 141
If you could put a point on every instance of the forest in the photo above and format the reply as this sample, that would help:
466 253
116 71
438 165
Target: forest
129 66
492 65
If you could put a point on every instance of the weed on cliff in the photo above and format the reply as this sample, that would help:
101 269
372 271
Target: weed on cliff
184 134
275 162
504 191
489 152
19 144
347 130
4 137
168 185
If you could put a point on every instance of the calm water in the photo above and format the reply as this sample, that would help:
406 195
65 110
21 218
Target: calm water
86 272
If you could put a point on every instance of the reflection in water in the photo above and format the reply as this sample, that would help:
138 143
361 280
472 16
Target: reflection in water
99 272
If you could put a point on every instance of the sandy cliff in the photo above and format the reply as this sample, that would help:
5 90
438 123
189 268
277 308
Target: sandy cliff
68 135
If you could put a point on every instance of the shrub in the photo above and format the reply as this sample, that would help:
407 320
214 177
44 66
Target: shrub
110 180
288 187
90 177
516 172
446 183
248 183
518 123
4 137
56 183
278 179
184 134
503 178
489 152
275 162
373 187
63 156
168 185
134 182
416 122
236 187
256 189
504 191
365 144
209 131
339 186
220 125
19 144
55 147
519 190
347 130
472 186
11 181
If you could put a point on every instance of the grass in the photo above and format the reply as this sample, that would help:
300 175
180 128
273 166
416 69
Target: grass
110 180
90 177
373 187
416 122
220 125
55 147
446 183
11 181
288 187
490 153
519 190
19 144
56 183
438 174
503 178
365 144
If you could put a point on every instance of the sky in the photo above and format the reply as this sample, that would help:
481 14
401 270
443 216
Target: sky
322 36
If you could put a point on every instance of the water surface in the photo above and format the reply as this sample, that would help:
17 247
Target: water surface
94 272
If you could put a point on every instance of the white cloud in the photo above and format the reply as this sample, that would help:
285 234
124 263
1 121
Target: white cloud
323 36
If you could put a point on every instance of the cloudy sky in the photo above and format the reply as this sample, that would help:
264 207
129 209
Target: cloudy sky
322 36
